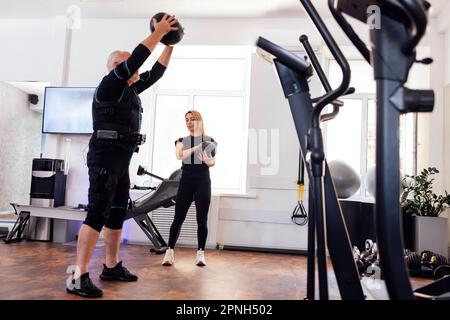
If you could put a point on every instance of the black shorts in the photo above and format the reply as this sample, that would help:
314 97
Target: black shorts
109 186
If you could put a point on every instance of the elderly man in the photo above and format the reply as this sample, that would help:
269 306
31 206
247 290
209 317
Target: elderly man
116 113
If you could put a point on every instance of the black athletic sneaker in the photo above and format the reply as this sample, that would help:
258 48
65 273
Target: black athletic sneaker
119 273
85 288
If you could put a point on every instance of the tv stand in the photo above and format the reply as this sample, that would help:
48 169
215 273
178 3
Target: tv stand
24 213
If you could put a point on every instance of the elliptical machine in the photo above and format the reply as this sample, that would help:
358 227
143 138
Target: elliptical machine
396 28
395 45
326 223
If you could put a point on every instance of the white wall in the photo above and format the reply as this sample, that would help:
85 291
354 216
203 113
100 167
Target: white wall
447 143
20 139
98 37
32 49
435 131
446 115
431 125
445 42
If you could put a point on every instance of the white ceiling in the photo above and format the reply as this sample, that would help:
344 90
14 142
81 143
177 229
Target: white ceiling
35 87
147 8
181 8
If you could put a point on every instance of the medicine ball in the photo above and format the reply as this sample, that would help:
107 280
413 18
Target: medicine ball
174 36
209 147
346 179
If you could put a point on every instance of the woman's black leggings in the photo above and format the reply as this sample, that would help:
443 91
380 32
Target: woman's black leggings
193 187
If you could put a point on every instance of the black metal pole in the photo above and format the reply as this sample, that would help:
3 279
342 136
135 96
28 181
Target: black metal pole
389 233
387 44
311 269
337 54
321 238
315 62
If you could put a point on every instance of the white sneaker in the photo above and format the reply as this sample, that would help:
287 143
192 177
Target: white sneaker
200 261
168 258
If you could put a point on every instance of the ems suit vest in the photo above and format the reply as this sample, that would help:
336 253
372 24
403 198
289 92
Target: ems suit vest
122 117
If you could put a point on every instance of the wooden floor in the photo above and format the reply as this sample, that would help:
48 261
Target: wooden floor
36 270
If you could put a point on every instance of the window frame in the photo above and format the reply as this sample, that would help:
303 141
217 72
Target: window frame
210 53
365 97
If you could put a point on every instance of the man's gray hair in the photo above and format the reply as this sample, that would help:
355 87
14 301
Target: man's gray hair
112 57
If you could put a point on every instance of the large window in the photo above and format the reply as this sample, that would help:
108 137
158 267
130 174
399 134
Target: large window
351 137
213 81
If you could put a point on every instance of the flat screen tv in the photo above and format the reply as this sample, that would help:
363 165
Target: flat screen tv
67 110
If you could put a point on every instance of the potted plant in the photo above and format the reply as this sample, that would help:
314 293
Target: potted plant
425 207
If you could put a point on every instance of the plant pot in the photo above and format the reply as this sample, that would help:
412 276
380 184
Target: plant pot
408 229
431 233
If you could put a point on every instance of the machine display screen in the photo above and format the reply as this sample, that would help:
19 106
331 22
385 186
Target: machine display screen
67 110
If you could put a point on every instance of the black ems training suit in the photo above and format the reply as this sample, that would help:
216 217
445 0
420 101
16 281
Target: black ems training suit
116 115
195 185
